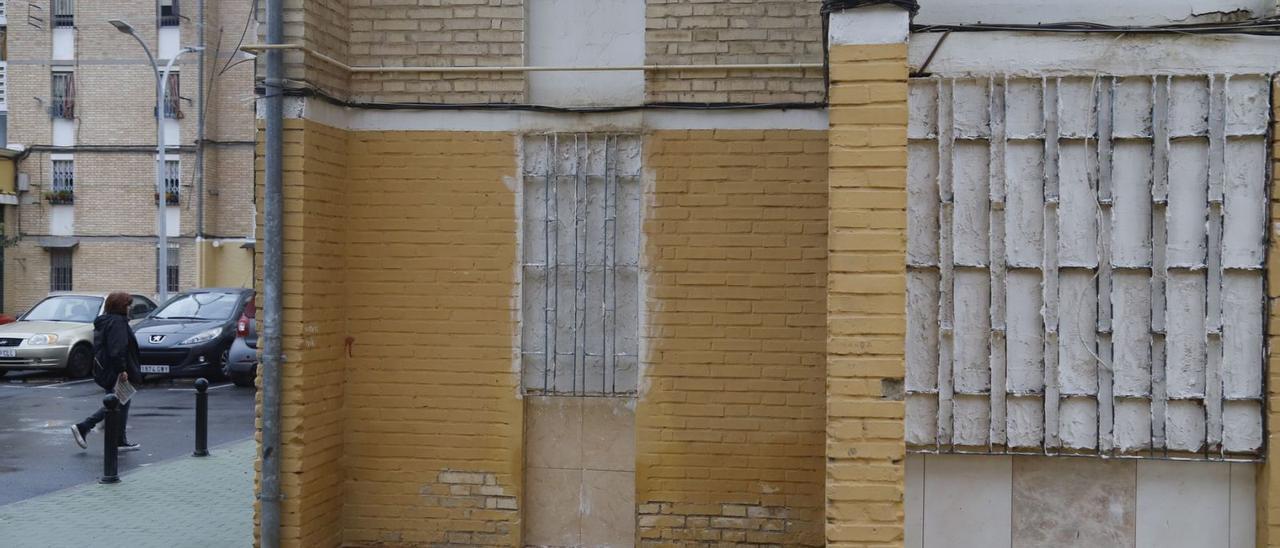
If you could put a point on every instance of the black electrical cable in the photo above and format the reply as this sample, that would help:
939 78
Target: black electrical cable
829 6
1267 26
312 92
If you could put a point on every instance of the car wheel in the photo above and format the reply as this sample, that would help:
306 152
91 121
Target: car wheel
246 380
80 362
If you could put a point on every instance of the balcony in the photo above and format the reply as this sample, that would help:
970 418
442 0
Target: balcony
4 96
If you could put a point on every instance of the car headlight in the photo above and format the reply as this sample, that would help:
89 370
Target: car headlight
203 336
43 339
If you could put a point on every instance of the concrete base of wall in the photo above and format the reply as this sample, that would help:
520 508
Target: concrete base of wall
991 501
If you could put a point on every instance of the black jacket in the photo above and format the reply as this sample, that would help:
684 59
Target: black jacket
116 348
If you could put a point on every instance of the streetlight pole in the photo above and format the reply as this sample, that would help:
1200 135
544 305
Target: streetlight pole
162 206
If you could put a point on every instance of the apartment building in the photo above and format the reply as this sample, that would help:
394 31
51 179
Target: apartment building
79 114
779 273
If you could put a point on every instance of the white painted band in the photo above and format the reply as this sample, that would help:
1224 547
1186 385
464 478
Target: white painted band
355 119
881 24
1028 54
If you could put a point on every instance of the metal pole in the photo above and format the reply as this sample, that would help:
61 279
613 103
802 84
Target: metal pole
202 418
273 281
111 441
162 204
200 105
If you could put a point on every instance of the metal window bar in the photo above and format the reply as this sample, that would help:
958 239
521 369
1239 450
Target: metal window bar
572 292
64 176
172 181
169 14
174 269
172 97
60 272
63 13
63 92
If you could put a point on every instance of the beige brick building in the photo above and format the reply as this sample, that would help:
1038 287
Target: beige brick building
677 273
80 106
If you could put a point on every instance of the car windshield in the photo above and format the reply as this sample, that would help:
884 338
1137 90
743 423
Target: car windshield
65 309
200 306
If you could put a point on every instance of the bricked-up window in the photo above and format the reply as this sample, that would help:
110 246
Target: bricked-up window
64 13
169 13
1086 263
62 103
172 97
60 270
580 290
172 181
174 268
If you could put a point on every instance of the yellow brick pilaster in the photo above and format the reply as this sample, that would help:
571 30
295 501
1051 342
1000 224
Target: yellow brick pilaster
1268 516
866 294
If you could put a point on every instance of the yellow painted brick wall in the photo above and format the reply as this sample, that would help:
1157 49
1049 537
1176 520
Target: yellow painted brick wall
434 421
729 426
314 332
1268 493
866 299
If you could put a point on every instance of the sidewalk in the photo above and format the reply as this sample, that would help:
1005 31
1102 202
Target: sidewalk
187 502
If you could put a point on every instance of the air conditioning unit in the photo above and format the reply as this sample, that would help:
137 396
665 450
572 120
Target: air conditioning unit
24 182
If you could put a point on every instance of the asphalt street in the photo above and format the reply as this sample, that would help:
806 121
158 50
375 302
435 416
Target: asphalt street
38 455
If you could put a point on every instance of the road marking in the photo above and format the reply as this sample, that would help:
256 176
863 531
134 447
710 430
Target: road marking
67 383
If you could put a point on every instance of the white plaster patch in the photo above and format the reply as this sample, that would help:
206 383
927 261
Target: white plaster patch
1245 202
869 25
1038 55
1132 429
922 331
922 420
586 33
1139 12
972 373
1242 335
1025 422
1078 423
922 204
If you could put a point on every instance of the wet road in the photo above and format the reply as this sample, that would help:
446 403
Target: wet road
38 455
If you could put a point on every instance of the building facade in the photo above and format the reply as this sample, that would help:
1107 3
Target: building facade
81 113
777 273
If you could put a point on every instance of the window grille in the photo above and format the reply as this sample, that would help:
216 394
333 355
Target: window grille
63 13
581 264
63 100
172 97
60 273
172 181
174 268
169 15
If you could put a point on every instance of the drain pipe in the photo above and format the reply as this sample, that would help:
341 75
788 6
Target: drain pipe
200 132
273 280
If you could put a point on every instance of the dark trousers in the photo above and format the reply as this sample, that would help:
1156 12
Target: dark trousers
101 415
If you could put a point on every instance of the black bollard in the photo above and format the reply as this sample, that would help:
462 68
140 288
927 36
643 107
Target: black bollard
202 418
111 441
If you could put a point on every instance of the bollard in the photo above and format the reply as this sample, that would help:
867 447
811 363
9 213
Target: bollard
111 440
202 418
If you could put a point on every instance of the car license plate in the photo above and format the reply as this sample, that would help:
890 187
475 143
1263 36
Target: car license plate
155 369
8 353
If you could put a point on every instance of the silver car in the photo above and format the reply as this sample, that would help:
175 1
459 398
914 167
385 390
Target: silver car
57 333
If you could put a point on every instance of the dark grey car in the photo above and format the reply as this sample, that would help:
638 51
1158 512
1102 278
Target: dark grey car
242 362
191 334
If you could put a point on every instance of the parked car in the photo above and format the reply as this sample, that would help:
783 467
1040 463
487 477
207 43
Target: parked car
57 333
242 362
191 334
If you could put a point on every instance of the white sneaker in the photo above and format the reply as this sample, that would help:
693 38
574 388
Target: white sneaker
79 436
129 446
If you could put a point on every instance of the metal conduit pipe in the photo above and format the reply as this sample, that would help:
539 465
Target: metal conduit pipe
256 48
273 279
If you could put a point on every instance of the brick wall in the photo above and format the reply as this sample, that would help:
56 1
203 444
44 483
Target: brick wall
459 33
771 31
866 301
434 423
313 327
730 425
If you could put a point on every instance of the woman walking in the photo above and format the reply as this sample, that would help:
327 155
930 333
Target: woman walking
116 354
